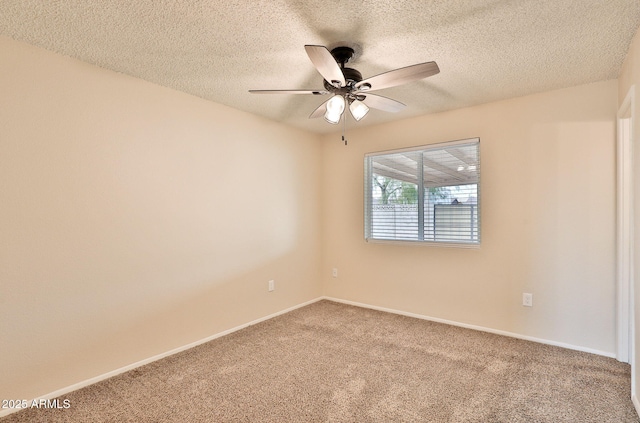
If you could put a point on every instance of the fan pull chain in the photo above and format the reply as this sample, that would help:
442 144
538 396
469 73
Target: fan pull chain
344 129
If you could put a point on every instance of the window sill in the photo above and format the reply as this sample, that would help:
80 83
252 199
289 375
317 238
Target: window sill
465 245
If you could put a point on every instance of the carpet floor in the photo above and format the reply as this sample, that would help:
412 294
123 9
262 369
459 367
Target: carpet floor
330 362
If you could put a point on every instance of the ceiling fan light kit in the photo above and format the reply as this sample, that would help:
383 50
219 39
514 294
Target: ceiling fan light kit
348 87
335 107
358 109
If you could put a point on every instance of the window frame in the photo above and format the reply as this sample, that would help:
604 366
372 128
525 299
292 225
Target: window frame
368 198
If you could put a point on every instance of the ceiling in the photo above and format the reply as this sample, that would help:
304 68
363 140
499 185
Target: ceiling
487 50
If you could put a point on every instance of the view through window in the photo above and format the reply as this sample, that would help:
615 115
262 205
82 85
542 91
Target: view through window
427 194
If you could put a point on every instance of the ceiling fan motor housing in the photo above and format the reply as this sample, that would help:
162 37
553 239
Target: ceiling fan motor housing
352 77
342 55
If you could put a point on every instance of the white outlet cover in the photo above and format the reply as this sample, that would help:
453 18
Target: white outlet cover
527 299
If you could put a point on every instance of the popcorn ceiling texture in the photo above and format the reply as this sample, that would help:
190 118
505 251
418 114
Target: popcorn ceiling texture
487 50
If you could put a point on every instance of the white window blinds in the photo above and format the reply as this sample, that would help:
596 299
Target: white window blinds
425 194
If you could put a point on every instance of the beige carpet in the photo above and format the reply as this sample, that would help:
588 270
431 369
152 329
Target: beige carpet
330 362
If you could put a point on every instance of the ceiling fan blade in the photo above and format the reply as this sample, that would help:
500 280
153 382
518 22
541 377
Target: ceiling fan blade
319 111
382 103
326 64
398 76
314 92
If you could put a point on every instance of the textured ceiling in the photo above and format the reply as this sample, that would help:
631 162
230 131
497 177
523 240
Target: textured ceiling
486 49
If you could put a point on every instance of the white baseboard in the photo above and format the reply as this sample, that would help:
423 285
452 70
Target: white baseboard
474 327
132 366
636 403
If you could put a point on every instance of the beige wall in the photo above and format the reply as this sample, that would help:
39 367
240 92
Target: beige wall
629 80
135 219
548 220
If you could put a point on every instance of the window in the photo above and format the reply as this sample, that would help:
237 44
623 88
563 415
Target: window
427 194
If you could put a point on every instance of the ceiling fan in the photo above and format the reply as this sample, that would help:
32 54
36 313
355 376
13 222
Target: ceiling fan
348 87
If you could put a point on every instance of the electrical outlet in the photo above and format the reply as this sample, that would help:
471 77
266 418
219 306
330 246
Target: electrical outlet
334 272
272 285
527 299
